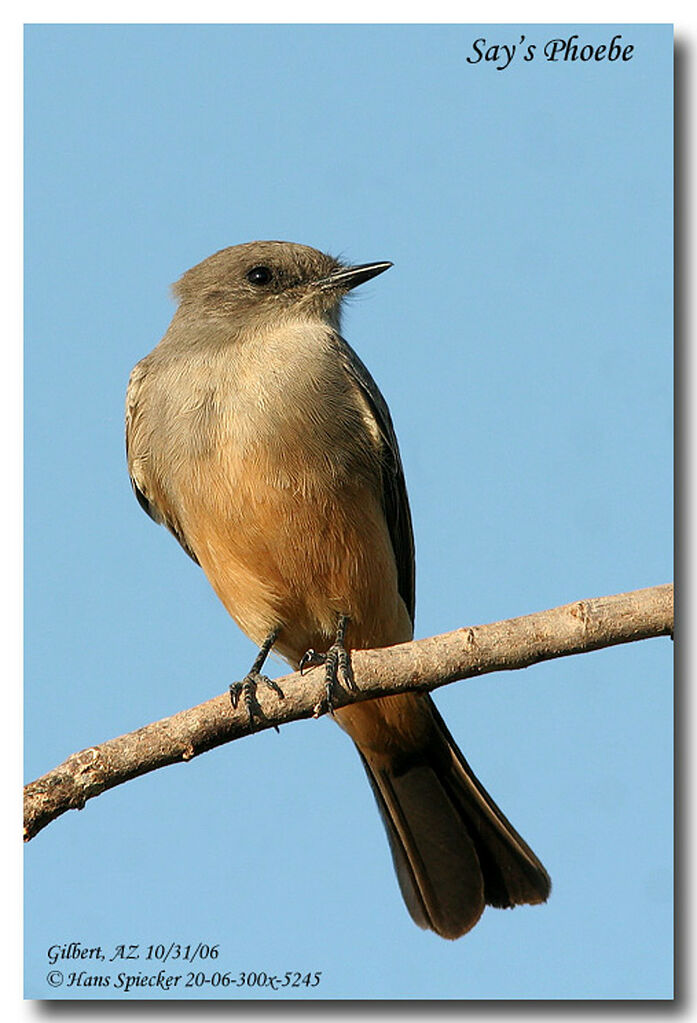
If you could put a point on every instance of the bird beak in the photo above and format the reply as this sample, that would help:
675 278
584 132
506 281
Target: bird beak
348 277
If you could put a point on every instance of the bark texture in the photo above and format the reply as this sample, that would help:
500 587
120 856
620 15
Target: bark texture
421 664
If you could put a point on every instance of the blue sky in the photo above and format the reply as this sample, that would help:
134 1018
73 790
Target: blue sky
523 340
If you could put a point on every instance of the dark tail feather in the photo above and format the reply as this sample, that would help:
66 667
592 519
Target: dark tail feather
453 849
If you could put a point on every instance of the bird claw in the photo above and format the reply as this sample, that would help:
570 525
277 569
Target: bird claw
247 689
311 659
337 667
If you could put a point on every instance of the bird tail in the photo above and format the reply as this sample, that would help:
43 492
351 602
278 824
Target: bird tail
453 850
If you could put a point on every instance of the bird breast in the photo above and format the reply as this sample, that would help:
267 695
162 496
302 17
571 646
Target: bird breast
280 403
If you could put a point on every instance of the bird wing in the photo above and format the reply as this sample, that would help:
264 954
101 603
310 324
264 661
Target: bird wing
394 490
136 456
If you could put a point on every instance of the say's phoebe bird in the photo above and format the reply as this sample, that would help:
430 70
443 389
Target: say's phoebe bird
258 437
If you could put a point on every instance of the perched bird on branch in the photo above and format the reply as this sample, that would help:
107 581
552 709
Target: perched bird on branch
258 437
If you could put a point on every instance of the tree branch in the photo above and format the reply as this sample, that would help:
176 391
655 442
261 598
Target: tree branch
420 665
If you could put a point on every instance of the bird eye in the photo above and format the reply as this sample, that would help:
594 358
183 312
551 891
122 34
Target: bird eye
259 276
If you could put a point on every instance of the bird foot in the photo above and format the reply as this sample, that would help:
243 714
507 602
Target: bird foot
337 666
247 689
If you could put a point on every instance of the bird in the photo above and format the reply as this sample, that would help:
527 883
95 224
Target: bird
258 437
